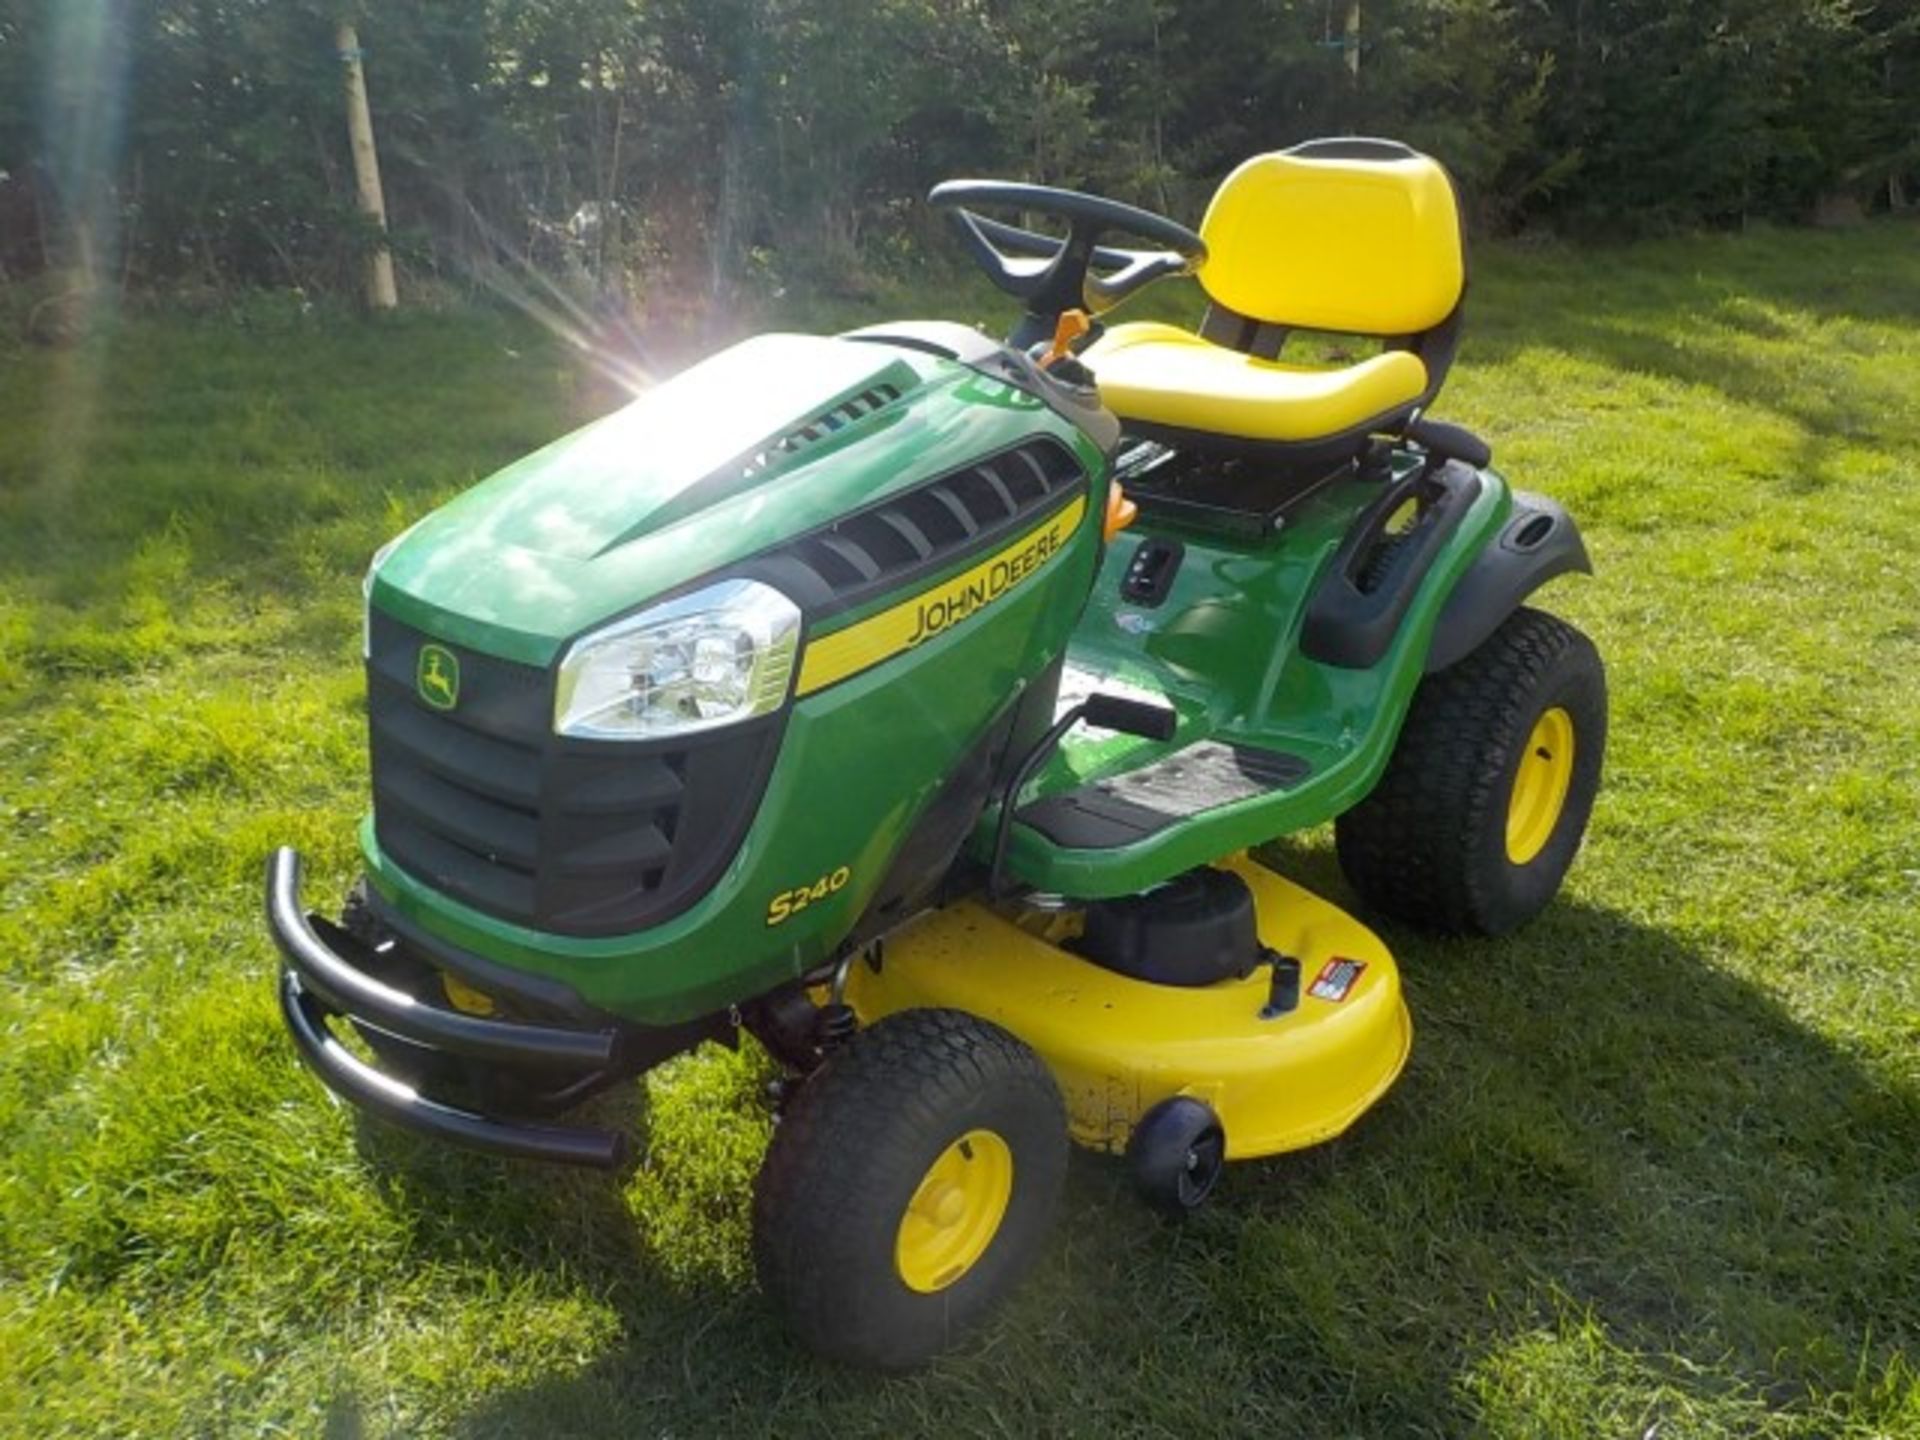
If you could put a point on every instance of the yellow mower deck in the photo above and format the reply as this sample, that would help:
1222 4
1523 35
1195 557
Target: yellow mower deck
1118 1046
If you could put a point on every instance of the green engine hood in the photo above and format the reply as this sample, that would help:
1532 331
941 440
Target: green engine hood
763 441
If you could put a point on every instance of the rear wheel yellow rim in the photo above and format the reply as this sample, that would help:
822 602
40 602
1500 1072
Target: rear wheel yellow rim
1540 787
955 1213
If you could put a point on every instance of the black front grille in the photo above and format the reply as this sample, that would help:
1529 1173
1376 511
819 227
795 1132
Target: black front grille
485 804
877 549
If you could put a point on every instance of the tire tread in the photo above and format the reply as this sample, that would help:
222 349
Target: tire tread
1413 847
814 1221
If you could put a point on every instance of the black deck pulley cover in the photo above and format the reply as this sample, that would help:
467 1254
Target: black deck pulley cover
1196 929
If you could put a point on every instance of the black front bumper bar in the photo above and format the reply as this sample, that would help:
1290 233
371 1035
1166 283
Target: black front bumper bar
318 984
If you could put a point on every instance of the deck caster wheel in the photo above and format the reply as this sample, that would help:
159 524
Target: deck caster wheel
1177 1152
909 1185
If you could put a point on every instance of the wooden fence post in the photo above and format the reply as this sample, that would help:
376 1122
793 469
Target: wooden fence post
366 169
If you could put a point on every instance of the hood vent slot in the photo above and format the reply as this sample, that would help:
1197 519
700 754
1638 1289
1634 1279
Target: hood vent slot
824 424
928 528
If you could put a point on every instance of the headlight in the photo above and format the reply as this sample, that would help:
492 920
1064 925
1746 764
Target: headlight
719 655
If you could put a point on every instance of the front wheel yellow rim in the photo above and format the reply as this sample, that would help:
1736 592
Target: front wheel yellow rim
1540 787
955 1213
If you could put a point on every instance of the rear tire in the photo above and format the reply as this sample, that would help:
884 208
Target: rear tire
1481 810
910 1184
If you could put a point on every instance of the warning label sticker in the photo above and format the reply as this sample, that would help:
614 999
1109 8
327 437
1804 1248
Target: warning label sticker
1336 978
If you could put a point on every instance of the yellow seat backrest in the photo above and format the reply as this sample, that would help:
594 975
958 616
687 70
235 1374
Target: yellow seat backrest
1362 247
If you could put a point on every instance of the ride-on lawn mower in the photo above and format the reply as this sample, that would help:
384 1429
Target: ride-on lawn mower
912 701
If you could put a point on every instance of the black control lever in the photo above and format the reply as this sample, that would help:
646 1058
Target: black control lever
1108 712
1129 717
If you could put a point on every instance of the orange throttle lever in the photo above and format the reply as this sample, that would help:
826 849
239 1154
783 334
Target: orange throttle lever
1120 510
1071 325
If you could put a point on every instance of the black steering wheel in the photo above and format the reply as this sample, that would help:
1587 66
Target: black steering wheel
1049 275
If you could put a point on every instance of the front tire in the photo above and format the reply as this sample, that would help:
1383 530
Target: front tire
1485 802
909 1185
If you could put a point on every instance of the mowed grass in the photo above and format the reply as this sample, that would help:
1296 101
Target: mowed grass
1655 1162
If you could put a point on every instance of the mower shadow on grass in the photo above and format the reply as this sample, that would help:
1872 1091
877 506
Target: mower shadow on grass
1607 1147
504 1217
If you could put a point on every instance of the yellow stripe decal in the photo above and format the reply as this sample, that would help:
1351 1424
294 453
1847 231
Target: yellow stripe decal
901 627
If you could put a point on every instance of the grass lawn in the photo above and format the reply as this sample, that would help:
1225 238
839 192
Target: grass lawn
1655 1160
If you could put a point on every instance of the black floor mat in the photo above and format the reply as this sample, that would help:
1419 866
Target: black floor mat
1118 811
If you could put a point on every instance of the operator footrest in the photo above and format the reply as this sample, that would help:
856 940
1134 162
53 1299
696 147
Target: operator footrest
1117 811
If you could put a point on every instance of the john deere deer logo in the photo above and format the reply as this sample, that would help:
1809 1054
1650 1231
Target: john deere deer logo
437 677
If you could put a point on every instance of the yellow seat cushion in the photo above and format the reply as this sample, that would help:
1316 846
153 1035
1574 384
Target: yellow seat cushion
1163 375
1355 247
